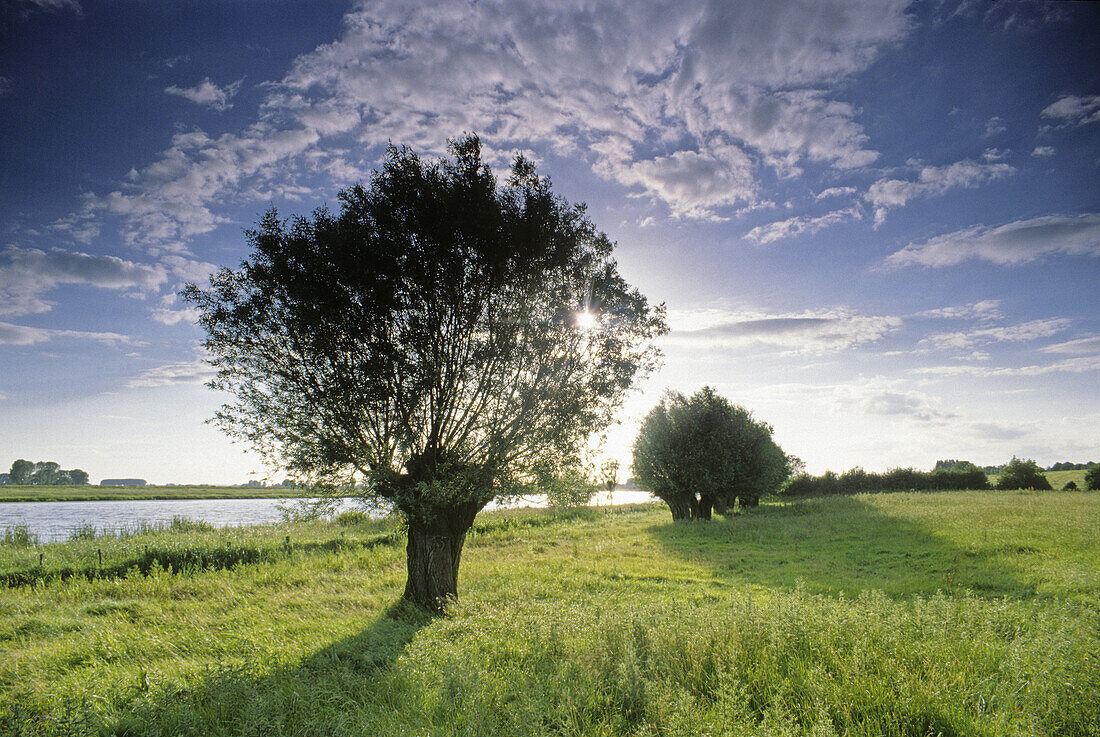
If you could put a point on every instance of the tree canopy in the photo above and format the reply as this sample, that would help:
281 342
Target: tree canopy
701 452
42 473
1022 474
442 340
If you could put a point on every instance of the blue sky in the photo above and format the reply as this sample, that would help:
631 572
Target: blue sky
875 224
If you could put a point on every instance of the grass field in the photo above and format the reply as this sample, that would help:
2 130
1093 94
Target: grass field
91 493
953 613
1058 479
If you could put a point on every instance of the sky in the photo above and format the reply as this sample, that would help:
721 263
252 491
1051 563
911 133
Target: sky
874 224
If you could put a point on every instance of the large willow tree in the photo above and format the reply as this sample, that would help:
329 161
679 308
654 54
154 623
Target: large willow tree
442 341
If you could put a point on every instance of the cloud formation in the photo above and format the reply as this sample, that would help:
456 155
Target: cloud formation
1067 366
828 330
1081 346
886 398
208 94
982 311
197 371
24 335
931 181
798 225
1011 244
1073 111
684 103
1023 332
30 273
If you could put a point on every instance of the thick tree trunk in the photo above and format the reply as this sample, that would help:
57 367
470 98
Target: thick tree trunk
702 509
433 558
681 508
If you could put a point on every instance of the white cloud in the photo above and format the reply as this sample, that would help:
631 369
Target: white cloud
1081 346
168 313
994 126
53 4
1023 332
1067 366
931 181
24 335
1043 152
207 93
888 398
188 269
197 371
1011 244
168 316
692 184
983 311
30 273
798 225
685 101
835 192
825 330
1072 110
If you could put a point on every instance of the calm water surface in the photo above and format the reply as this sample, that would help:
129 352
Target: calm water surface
55 521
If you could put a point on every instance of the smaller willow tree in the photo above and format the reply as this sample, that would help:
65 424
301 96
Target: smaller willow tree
701 453
442 341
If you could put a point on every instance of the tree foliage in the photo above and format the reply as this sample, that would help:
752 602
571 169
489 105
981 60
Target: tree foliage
695 453
1022 474
425 342
43 473
1092 479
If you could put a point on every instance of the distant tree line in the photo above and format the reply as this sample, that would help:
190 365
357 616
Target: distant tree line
42 473
946 475
1060 466
959 475
1068 466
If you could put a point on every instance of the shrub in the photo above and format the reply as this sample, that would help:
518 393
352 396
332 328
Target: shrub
1070 486
1092 479
1021 474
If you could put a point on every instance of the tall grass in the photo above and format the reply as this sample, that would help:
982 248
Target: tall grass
905 614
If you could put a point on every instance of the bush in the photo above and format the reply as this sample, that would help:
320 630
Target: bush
1092 479
569 489
1021 474
1070 486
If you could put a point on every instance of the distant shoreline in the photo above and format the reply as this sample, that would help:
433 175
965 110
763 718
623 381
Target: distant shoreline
90 493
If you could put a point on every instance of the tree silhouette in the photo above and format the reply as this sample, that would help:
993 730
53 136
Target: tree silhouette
443 341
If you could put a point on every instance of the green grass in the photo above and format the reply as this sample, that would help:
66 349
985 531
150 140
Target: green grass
1057 479
953 613
92 493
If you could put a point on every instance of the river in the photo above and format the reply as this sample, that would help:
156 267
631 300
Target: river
56 521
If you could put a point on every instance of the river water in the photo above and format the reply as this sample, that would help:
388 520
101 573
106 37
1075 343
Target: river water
56 521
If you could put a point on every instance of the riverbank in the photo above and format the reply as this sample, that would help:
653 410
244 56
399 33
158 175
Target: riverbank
971 613
91 493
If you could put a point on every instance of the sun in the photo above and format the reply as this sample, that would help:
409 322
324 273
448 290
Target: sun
585 320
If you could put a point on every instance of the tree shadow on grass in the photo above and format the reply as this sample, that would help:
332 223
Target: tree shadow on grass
311 696
844 545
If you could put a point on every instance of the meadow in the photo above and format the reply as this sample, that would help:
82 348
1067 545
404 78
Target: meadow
953 613
92 493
